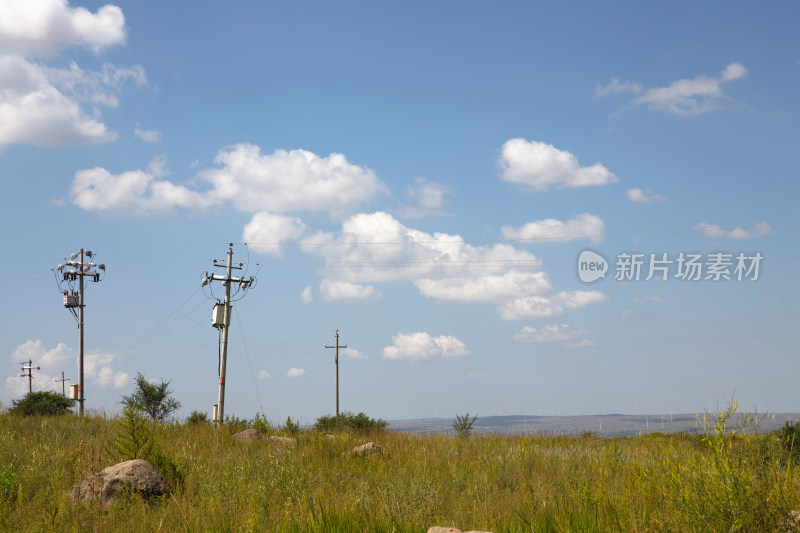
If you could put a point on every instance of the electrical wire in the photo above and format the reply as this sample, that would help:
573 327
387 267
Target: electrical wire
249 362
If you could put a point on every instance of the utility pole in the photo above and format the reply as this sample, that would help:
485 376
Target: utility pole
62 380
76 271
29 368
336 359
221 319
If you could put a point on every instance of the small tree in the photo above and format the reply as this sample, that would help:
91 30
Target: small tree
463 425
151 399
42 403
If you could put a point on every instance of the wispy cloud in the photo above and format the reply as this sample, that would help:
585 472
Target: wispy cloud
685 97
713 231
296 372
644 196
148 136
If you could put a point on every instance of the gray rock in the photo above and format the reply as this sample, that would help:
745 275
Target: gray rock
369 448
249 435
440 529
790 523
136 475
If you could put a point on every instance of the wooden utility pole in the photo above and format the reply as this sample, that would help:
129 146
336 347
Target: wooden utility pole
222 319
29 375
62 380
337 346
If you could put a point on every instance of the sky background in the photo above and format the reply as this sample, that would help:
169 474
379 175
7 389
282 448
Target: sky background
421 176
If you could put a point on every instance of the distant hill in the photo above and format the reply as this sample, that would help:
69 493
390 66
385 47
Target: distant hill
608 425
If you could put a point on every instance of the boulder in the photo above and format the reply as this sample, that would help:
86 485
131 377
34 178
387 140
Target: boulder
369 448
790 523
136 475
249 435
440 529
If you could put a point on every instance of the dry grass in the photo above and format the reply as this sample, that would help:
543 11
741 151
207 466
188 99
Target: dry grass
496 483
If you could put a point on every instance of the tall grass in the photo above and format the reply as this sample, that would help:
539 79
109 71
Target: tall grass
714 482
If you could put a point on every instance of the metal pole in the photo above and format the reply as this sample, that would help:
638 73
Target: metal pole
30 376
80 342
227 319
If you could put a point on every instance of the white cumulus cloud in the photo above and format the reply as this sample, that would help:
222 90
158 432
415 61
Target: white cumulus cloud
333 290
422 345
42 27
263 374
540 307
582 226
289 180
296 372
539 166
136 192
273 183
99 368
53 106
266 231
713 231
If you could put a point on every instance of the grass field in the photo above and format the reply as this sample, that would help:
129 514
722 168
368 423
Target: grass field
721 480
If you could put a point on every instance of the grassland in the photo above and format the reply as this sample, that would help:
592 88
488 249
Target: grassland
719 481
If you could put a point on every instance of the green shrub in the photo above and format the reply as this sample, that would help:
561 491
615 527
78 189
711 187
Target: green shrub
291 428
42 403
347 421
463 425
196 417
236 424
790 439
260 423
131 438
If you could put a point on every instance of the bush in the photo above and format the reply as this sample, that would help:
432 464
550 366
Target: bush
260 423
348 421
790 439
151 399
133 439
291 428
196 417
42 403
463 425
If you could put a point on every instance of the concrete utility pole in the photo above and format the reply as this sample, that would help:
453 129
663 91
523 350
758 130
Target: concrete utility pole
29 375
76 271
221 319
62 380
337 346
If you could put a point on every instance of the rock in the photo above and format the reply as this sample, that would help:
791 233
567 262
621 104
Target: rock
439 529
790 523
369 448
136 475
249 435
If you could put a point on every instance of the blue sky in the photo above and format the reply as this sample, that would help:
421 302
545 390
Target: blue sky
420 176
